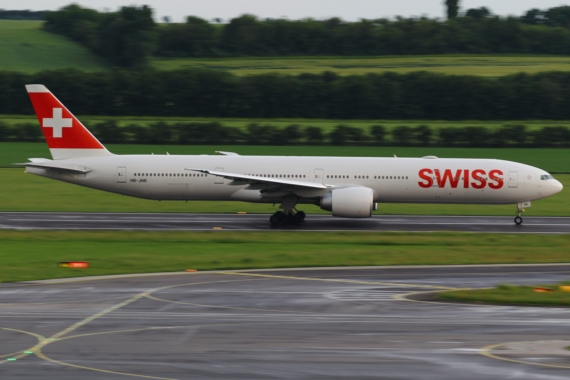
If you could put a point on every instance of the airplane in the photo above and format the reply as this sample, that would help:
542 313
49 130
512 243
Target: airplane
349 187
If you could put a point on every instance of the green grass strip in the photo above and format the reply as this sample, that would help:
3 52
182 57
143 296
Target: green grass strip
33 255
550 159
511 294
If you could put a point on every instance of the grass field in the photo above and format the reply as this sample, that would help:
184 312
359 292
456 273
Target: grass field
26 48
511 294
483 65
34 255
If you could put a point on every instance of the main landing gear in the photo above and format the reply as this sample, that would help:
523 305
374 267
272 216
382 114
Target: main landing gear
289 215
287 218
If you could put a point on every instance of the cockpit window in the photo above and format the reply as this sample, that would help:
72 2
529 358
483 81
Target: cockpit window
544 177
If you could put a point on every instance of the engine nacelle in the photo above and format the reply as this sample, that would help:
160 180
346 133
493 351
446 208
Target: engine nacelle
350 202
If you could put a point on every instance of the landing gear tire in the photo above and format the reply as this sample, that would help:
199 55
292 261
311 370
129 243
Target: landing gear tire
287 219
518 220
274 220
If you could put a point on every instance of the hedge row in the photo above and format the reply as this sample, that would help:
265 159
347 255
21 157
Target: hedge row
205 93
256 134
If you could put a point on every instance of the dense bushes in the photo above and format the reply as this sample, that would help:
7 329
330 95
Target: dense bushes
22 14
413 96
214 133
126 36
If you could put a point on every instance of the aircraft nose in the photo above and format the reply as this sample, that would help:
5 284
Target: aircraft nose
556 187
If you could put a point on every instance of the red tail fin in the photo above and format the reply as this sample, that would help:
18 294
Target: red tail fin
65 135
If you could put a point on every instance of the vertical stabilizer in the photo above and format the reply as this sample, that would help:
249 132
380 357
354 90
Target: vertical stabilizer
65 135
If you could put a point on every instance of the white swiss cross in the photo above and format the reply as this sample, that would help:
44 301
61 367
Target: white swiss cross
57 122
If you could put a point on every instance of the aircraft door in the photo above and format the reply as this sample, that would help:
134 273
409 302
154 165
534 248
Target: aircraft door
219 180
319 176
121 174
513 179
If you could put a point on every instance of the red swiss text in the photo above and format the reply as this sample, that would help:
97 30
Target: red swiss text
465 178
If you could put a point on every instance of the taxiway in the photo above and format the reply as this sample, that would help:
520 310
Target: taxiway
279 324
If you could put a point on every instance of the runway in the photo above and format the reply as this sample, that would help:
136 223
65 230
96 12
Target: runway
257 222
279 324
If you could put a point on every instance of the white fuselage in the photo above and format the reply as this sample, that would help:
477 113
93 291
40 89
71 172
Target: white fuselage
402 180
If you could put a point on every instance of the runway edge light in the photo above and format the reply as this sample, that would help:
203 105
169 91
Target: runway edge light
73 264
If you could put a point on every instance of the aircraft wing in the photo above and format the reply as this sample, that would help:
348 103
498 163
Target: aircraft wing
242 179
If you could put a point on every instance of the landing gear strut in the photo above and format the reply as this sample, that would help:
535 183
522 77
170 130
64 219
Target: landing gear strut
287 218
518 218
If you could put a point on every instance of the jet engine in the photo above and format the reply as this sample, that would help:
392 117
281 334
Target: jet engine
349 202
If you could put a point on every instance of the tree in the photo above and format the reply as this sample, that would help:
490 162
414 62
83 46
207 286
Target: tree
126 37
452 8
314 135
4 131
75 22
552 136
378 133
243 35
22 15
422 134
478 13
291 134
558 16
109 132
160 133
195 38
343 134
402 135
513 134
474 136
533 17
448 136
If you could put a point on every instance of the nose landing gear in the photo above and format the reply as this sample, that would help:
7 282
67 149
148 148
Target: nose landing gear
518 218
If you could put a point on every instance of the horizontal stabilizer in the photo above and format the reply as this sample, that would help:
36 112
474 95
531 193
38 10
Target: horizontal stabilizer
71 169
